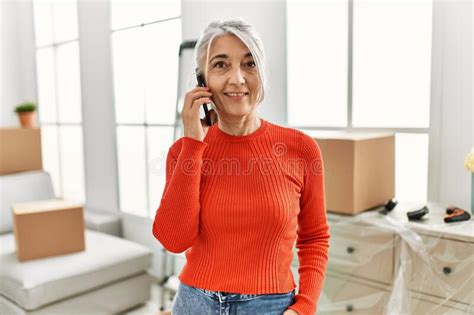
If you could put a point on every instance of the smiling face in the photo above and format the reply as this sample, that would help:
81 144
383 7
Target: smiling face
232 77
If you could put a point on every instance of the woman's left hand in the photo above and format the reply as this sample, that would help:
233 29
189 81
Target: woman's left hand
290 312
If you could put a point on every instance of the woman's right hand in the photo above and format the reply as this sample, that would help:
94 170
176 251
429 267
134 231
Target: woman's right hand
195 127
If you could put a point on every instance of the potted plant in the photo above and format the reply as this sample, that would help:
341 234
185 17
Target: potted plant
469 164
27 114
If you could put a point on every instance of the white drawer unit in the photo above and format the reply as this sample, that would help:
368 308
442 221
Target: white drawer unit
385 264
446 269
419 306
346 296
364 250
349 295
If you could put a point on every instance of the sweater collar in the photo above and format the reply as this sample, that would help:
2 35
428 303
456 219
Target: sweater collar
231 138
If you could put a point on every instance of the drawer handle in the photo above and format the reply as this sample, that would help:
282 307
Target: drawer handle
349 308
350 249
447 270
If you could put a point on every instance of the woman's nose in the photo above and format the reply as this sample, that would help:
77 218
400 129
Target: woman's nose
236 77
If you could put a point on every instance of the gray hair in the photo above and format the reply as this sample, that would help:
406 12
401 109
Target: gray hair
247 34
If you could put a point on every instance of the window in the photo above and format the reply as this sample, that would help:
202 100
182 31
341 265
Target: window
365 66
59 97
317 63
391 64
145 47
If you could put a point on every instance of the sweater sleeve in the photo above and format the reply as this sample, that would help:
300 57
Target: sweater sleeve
176 223
312 232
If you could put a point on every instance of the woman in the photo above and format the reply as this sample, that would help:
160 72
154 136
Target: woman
239 193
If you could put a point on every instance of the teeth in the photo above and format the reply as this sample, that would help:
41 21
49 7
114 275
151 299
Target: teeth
236 94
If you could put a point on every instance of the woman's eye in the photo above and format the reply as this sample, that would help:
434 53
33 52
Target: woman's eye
251 64
219 64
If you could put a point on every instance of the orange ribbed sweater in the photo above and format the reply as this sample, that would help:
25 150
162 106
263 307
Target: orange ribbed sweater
236 205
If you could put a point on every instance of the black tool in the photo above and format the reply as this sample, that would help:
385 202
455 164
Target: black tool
455 214
389 206
417 214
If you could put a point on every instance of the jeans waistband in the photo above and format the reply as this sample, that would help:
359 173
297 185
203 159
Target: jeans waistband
229 296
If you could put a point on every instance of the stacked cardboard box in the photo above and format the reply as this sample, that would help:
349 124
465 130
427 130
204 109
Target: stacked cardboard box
47 228
20 150
42 228
359 170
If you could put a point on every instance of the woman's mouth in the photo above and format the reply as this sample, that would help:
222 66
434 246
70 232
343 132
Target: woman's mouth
236 96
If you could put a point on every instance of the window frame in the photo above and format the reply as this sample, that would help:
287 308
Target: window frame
58 124
145 125
349 124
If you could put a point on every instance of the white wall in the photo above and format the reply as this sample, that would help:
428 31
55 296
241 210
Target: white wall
17 58
98 113
452 115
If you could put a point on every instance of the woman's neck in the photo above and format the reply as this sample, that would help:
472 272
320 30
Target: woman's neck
241 127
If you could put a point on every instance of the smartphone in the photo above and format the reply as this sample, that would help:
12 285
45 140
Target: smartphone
201 82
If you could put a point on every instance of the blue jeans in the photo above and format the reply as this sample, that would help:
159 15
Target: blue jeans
195 301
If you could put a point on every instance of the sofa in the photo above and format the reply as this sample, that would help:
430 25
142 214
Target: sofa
109 277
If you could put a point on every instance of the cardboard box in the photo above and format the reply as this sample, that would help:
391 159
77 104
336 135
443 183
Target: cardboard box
47 228
359 170
20 150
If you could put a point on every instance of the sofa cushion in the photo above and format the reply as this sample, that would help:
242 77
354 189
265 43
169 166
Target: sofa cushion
33 284
22 187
